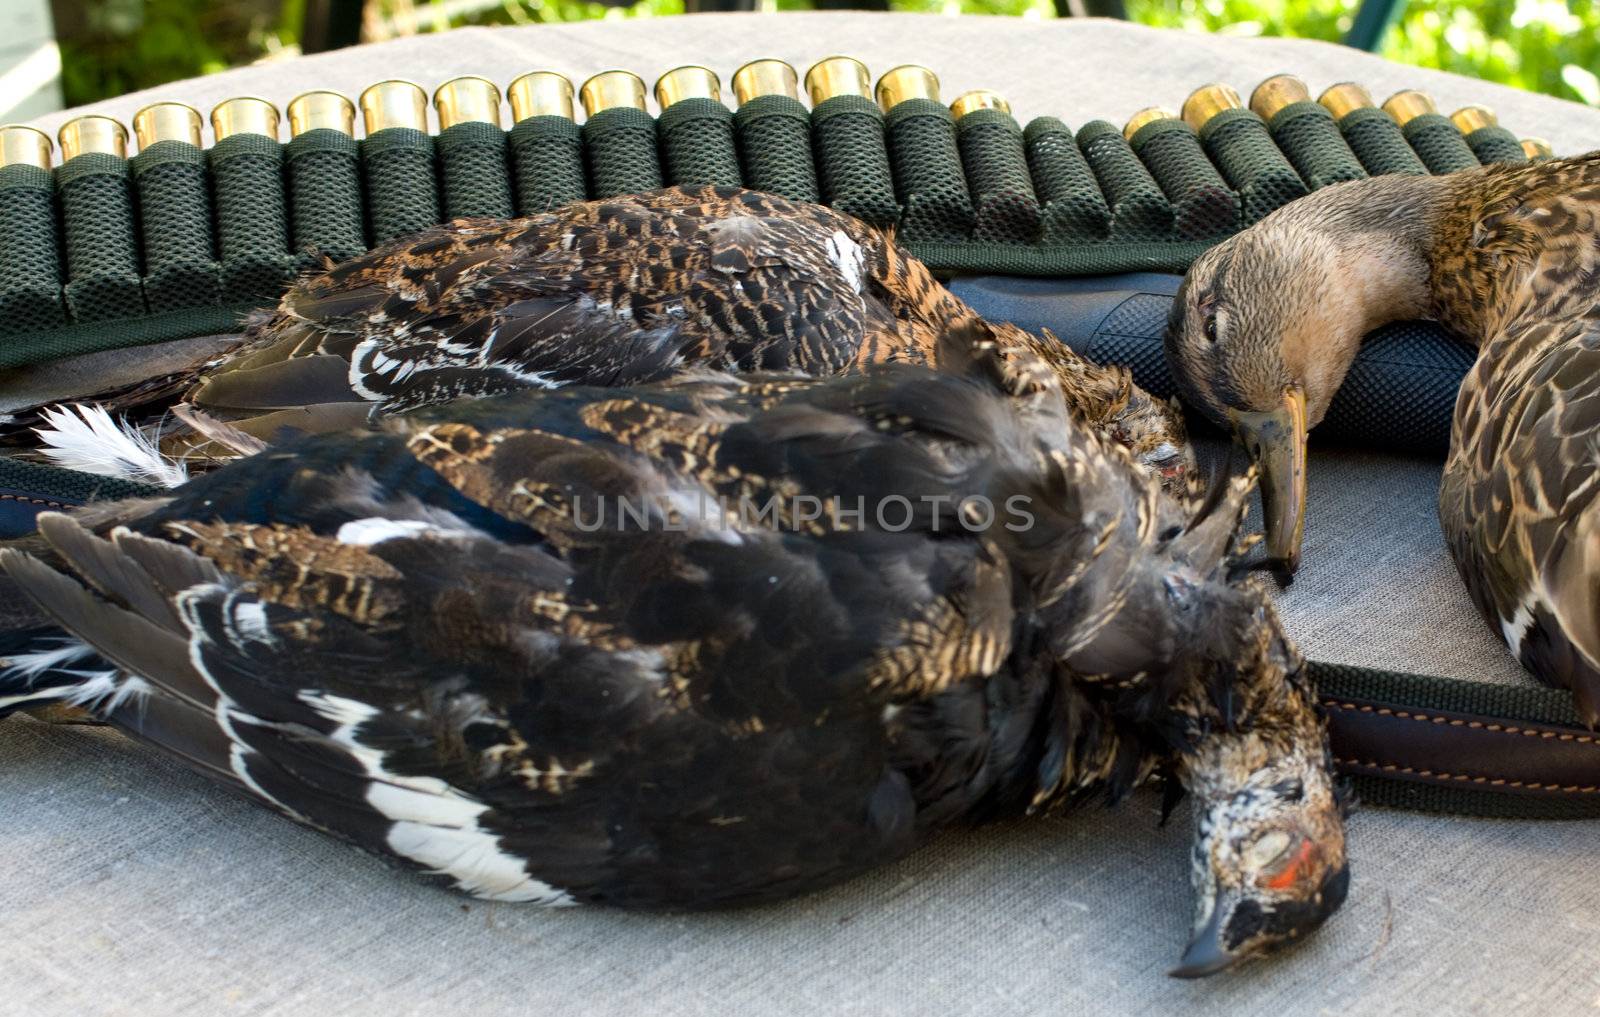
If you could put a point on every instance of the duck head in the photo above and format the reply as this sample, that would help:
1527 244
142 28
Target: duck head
1247 741
1268 859
1269 869
1267 323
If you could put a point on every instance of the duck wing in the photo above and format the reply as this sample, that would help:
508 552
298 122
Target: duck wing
416 639
1518 502
614 292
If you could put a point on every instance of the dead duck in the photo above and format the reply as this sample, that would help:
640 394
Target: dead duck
1508 257
507 643
616 292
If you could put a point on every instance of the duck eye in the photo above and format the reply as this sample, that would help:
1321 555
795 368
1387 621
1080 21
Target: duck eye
1210 327
1268 849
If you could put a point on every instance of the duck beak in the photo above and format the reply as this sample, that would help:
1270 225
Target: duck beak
1206 954
1276 440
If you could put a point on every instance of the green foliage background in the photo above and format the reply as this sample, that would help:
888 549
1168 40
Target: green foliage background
115 46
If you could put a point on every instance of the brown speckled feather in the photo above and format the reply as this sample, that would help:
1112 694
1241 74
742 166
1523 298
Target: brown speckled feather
625 291
613 292
1517 269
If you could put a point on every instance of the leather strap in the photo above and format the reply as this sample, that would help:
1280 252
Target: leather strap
1439 744
18 509
1450 749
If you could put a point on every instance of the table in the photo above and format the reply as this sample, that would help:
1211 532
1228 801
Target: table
132 886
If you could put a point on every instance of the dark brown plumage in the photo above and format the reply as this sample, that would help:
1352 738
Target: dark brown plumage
1509 258
707 641
619 292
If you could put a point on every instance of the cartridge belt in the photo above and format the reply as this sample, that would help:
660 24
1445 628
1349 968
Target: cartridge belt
106 250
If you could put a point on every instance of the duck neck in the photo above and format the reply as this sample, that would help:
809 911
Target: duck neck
1374 240
1390 242
1250 707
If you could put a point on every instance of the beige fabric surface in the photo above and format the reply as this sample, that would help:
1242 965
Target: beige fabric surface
128 885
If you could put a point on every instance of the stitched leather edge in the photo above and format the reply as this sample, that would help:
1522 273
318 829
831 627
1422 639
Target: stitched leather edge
1441 763
1480 725
1467 778
37 501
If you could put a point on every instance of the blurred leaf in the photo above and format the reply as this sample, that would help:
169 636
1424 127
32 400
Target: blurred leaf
114 46
1582 81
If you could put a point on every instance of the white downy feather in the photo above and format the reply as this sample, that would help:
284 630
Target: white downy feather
84 437
99 690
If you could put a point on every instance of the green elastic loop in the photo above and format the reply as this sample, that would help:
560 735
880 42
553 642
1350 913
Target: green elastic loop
697 141
474 171
180 263
252 217
72 486
1075 211
1106 257
996 165
82 337
548 154
30 272
102 239
1439 143
1140 213
1240 144
402 192
928 178
1308 136
1203 205
1378 142
621 147
1495 144
774 138
325 196
847 135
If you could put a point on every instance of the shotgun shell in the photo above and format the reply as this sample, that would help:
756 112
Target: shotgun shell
611 90
244 114
978 98
1148 115
467 99
1344 97
1537 148
322 110
689 82
765 77
92 133
25 146
908 81
541 94
1469 118
1276 93
167 121
838 75
394 103
1207 101
1405 106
